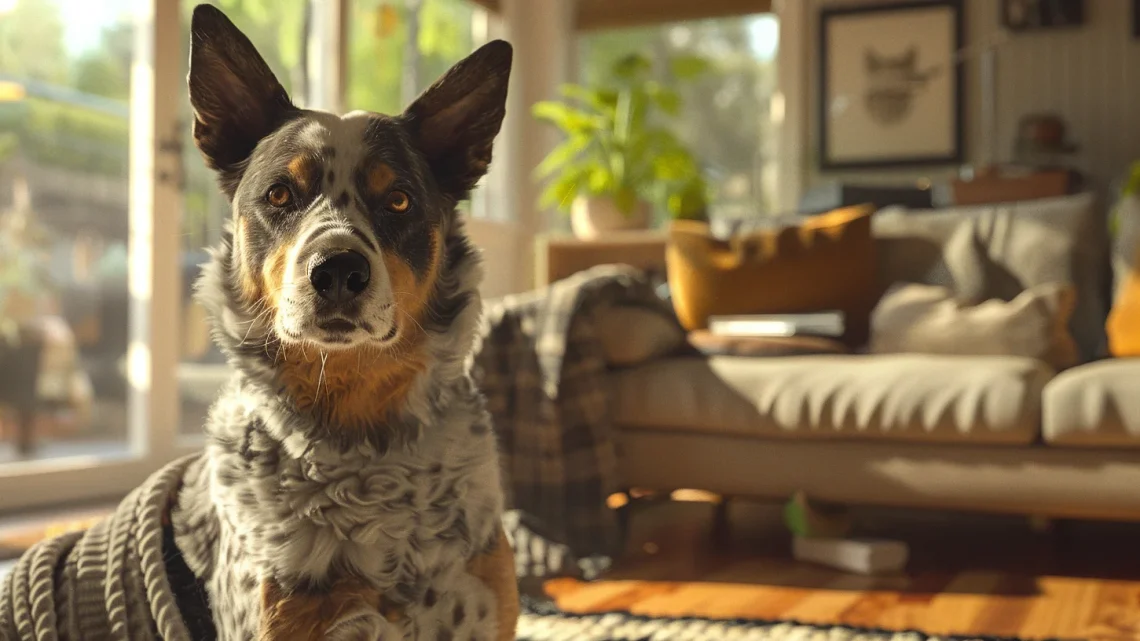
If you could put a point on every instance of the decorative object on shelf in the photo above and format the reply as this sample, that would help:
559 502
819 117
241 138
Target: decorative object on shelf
891 101
834 195
620 159
1042 141
1033 15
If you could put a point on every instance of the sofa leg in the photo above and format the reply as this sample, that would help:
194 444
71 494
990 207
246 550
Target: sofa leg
721 531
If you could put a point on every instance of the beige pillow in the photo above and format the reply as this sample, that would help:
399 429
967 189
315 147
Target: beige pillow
928 319
632 335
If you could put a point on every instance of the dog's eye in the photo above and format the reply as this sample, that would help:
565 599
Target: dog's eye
397 202
279 195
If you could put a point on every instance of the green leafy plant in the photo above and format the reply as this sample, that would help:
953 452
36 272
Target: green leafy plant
618 143
1129 189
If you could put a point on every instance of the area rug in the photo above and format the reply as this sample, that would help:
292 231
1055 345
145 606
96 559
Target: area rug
544 622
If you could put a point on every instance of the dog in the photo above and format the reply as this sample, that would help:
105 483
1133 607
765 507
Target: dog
350 487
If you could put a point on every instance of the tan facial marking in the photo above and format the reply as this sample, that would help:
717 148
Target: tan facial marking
411 294
273 274
357 388
379 178
251 289
301 170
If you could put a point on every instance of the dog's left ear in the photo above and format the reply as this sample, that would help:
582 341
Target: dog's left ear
455 121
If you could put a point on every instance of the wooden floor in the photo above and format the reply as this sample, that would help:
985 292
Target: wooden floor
968 575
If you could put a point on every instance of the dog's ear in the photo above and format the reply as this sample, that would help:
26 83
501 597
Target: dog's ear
237 100
455 120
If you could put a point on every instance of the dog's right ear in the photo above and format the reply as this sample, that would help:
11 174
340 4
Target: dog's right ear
236 99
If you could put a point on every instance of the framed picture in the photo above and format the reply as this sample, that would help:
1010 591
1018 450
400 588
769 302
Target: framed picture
1029 15
1136 18
891 85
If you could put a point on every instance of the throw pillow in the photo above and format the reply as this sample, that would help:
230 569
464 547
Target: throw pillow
632 335
999 251
1123 326
928 319
823 263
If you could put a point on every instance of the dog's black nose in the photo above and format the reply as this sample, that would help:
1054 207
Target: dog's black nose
341 277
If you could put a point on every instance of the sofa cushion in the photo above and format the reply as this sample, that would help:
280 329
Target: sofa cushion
782 270
927 319
990 399
1094 405
1000 251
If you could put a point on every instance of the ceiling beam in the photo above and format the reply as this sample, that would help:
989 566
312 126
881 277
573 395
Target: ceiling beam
489 5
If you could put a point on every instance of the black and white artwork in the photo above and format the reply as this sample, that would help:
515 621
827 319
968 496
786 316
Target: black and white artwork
891 85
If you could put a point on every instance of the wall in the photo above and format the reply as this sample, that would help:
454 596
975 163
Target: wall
1090 76
502 245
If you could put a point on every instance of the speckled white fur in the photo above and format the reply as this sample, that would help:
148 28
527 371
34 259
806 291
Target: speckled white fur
273 502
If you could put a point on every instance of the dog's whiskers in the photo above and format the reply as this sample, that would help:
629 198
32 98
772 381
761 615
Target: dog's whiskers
268 310
321 376
405 312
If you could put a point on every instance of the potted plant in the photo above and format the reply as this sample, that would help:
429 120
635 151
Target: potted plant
619 158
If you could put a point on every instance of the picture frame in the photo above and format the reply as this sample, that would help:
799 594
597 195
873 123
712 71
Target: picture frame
892 101
1036 15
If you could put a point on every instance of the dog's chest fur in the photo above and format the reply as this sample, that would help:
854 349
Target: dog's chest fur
406 520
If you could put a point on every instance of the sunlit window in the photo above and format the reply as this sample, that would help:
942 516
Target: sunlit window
725 118
64 168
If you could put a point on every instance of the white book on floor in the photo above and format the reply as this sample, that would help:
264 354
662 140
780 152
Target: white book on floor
818 324
861 556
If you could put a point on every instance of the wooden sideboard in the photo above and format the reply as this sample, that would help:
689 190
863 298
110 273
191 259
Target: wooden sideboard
560 255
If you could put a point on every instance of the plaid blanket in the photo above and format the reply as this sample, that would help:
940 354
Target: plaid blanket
542 369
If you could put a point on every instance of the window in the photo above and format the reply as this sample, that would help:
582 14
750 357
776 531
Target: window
64 173
397 48
88 243
107 369
726 118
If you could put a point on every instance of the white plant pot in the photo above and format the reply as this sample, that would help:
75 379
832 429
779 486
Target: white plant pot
591 217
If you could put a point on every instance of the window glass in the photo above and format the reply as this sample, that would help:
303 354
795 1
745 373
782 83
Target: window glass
725 117
64 172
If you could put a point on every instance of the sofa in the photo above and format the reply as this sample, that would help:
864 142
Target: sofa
987 433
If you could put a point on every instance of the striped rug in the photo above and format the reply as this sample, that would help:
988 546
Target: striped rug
543 622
